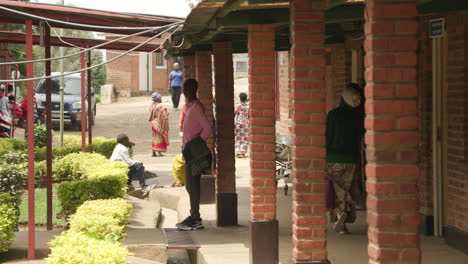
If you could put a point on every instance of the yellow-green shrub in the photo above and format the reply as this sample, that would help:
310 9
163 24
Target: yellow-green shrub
98 225
93 177
115 208
81 248
8 221
103 218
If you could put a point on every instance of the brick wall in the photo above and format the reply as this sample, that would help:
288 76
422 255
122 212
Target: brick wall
308 130
392 170
124 72
457 188
284 95
262 120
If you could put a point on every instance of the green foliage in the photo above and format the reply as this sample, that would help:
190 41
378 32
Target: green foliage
8 220
88 176
5 145
103 218
12 180
40 132
40 154
102 146
18 144
115 208
84 248
98 98
13 157
72 194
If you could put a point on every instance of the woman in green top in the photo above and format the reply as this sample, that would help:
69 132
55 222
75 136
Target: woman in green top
345 129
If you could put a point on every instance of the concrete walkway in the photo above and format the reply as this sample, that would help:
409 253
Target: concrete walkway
229 245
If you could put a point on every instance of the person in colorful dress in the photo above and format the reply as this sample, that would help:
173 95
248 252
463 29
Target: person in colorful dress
242 126
159 118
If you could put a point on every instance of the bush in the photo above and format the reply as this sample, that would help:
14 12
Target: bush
13 157
88 176
102 146
5 145
18 144
82 248
100 226
76 165
8 220
115 208
103 218
40 135
13 180
72 194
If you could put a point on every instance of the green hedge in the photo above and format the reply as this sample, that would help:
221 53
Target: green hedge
8 220
88 177
103 218
12 144
83 248
95 235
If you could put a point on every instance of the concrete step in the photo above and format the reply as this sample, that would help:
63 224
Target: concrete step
19 248
146 214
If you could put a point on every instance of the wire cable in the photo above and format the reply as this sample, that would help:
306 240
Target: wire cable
75 24
91 67
87 49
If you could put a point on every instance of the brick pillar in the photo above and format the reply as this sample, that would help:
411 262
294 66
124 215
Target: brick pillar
308 131
189 66
263 224
226 198
204 76
392 131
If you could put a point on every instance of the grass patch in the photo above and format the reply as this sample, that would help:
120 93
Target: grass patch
41 208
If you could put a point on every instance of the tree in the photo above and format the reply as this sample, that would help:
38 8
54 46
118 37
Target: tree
18 52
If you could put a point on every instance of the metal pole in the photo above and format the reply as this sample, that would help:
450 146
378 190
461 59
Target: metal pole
30 118
90 107
48 70
62 87
83 104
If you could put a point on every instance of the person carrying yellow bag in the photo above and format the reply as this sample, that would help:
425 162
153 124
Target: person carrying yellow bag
178 170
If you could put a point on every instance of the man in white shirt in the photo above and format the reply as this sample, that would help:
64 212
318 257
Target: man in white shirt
121 153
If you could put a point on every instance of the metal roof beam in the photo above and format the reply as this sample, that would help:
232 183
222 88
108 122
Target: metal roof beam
20 38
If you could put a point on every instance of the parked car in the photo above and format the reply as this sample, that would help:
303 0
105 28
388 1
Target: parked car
72 100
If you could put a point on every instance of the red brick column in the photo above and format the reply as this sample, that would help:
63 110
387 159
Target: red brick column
189 66
204 76
226 198
263 224
392 131
308 130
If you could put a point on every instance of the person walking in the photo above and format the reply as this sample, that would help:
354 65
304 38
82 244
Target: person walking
176 78
344 132
159 118
241 120
198 158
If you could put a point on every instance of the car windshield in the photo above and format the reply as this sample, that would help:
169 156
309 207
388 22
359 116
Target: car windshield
72 86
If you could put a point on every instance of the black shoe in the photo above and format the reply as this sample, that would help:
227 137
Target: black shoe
191 225
185 221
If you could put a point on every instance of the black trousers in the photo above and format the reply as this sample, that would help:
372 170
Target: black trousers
192 185
176 91
138 171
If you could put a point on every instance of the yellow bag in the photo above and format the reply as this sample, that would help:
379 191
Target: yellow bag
178 169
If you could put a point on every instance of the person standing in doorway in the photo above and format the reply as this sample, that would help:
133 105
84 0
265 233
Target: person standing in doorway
176 77
195 131
344 132
159 118
242 126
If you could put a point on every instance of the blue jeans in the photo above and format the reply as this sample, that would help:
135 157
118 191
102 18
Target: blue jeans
138 171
